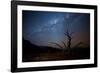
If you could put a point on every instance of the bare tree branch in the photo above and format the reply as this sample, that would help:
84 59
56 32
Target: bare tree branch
71 33
64 44
57 44
78 44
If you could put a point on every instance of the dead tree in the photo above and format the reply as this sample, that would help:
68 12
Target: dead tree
69 38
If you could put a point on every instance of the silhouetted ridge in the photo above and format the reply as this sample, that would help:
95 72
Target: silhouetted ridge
29 48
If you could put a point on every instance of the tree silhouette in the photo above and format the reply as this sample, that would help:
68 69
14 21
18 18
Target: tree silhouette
69 38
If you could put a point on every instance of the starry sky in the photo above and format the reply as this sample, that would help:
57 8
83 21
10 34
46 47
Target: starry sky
43 27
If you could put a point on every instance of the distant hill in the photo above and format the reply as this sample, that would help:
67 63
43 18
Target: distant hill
28 46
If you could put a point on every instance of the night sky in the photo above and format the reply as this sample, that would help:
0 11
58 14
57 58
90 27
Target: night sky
42 27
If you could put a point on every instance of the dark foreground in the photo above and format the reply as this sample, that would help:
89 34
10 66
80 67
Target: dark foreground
33 53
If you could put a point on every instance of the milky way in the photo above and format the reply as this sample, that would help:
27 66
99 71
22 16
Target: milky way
41 27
